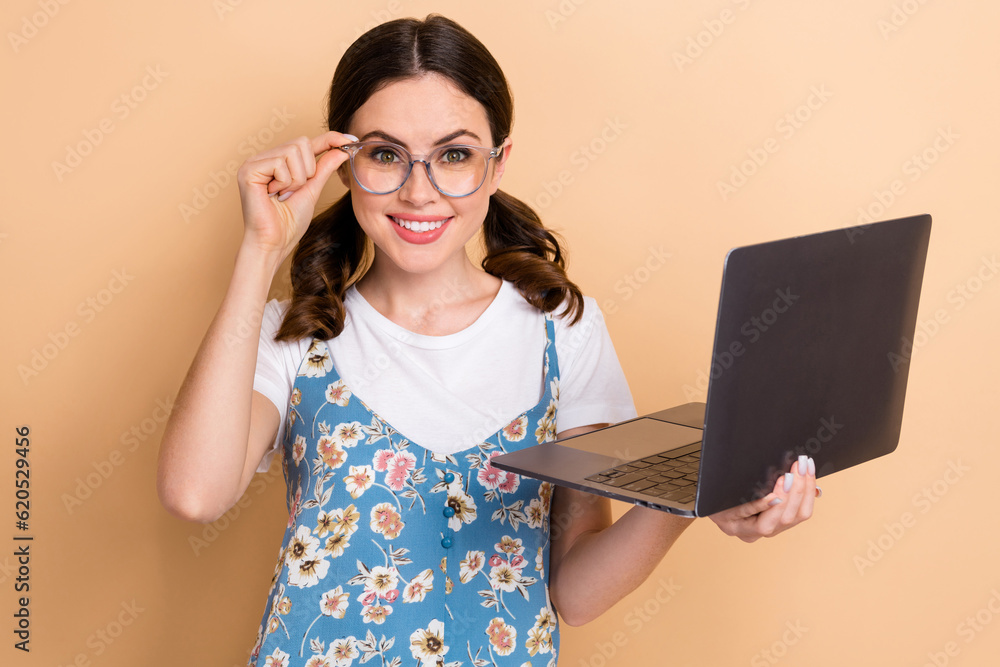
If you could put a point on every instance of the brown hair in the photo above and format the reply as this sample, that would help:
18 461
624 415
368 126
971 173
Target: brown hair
333 253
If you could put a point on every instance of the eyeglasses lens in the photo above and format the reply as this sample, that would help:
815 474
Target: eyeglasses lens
454 170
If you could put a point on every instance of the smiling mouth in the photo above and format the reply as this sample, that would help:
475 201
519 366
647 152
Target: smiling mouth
419 226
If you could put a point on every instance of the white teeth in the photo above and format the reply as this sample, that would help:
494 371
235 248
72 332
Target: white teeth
415 226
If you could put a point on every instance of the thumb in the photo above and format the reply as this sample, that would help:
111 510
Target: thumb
326 165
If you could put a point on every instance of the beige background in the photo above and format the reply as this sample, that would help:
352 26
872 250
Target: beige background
900 554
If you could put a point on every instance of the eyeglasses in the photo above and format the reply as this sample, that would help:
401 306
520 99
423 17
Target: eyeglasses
455 170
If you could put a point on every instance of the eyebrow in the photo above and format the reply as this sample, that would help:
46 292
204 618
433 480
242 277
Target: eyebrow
379 134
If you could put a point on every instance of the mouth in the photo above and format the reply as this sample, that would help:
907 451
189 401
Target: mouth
420 226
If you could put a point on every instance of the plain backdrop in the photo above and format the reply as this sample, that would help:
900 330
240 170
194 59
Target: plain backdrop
654 137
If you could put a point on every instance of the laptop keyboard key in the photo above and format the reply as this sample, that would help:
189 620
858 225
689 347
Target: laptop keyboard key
639 485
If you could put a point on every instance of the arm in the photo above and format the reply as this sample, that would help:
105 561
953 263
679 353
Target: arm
595 563
220 428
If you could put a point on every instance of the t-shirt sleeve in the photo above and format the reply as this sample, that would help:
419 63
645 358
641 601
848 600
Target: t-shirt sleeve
592 385
271 377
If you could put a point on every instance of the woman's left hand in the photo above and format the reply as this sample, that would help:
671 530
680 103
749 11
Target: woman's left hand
788 505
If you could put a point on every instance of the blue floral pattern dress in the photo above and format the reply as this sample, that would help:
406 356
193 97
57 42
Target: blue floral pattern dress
401 556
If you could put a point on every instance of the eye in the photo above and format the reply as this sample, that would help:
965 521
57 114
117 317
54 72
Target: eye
454 155
383 154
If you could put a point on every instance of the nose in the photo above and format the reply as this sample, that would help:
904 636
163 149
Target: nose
418 188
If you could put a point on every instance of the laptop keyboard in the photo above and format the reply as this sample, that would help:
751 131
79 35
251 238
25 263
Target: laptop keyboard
671 475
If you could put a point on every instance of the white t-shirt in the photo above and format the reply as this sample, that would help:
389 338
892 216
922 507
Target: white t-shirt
449 393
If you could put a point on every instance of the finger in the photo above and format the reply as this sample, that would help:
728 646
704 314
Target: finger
281 178
301 162
793 502
329 140
270 172
809 492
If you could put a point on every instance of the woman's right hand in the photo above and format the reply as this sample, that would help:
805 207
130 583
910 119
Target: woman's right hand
279 189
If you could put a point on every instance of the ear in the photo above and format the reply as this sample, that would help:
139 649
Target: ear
500 164
344 171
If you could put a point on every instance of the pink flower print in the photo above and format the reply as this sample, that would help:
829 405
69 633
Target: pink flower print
489 476
399 470
494 478
382 458
368 597
517 562
296 396
510 484
391 596
502 636
517 429
338 394
495 560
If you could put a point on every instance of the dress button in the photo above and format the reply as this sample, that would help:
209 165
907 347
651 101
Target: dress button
449 512
449 477
446 542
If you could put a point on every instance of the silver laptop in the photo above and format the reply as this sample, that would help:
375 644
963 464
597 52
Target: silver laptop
812 353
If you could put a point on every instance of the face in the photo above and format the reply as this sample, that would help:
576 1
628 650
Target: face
421 114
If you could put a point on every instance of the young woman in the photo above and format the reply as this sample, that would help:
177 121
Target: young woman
399 369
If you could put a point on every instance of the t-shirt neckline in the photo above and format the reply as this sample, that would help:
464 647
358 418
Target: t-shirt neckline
354 300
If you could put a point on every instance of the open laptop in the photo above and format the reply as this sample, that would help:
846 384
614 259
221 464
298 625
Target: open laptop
812 350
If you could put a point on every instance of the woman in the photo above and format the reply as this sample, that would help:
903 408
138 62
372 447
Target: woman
400 368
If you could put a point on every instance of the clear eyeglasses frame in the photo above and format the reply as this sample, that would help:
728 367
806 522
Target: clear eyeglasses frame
455 170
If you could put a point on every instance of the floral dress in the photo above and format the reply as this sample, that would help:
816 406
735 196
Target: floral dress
402 556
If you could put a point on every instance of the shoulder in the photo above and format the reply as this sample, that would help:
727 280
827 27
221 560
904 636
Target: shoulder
591 322
289 351
274 313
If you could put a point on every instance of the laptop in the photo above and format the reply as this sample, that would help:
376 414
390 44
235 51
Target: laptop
812 352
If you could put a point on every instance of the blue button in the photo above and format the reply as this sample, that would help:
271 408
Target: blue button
449 512
446 542
449 477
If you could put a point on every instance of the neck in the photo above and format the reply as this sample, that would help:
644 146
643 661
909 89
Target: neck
437 303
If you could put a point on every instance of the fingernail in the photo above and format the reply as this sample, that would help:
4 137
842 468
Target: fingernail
272 194
285 196
351 137
819 492
812 467
803 463
788 481
774 502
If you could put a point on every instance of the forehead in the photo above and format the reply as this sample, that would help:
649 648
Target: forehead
420 110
